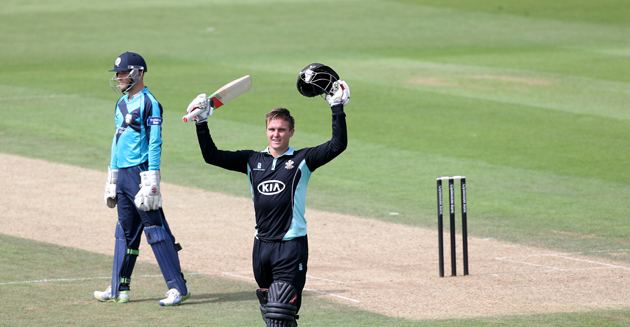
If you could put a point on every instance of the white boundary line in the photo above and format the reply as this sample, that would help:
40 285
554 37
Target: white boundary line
566 256
32 97
581 253
319 292
604 251
593 262
326 279
52 280
76 279
552 268
237 276
324 293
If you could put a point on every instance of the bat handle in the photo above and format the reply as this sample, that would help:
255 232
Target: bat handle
190 115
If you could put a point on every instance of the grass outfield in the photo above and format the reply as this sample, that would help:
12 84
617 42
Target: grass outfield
528 100
57 292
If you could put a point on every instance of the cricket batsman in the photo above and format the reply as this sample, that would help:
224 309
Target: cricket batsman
278 178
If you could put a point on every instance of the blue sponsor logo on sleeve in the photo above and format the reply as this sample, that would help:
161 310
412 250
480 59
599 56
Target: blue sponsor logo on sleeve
154 121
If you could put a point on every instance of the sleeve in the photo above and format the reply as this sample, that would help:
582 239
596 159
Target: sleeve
324 153
113 162
154 126
230 160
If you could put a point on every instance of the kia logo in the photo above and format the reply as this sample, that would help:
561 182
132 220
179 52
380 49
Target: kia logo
271 187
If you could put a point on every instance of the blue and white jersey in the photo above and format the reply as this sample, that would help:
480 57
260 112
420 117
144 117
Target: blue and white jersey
138 136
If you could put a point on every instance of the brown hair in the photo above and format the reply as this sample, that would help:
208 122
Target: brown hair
280 113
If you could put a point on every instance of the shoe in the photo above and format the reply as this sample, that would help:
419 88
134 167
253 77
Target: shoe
106 296
173 297
123 297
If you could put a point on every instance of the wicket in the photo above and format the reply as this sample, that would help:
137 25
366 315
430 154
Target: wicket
451 202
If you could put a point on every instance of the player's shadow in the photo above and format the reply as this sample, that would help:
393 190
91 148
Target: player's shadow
212 298
229 297
222 297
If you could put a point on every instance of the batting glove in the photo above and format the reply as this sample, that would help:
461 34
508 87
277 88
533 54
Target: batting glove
110 187
340 94
149 197
202 104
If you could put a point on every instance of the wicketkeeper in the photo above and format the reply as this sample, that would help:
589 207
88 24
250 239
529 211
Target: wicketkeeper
133 184
278 177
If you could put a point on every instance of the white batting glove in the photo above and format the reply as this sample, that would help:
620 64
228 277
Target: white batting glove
110 187
340 94
201 103
149 197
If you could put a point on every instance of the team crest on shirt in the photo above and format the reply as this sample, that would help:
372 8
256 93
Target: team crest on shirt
289 164
259 167
128 119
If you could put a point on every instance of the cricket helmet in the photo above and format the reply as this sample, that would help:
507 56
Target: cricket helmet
316 79
129 61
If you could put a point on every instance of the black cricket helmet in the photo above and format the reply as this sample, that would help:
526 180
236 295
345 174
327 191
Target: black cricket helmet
316 79
129 61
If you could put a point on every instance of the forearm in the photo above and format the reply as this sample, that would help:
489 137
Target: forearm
206 144
155 155
323 153
113 162
154 130
231 160
339 140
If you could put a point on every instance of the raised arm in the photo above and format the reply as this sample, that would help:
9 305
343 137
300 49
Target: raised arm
322 154
231 160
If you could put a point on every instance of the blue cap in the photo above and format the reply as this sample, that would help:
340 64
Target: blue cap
128 61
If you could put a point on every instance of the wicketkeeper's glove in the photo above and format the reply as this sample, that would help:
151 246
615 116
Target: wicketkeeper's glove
340 94
202 103
110 187
149 197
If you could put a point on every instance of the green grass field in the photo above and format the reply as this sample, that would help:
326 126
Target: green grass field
529 100
55 284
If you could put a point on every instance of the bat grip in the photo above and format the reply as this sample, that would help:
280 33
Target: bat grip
191 115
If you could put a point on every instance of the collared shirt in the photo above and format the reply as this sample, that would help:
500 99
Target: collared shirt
138 136
278 184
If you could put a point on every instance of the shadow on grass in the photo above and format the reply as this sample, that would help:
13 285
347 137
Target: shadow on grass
221 297
210 298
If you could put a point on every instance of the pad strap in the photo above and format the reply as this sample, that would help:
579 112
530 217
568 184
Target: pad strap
262 295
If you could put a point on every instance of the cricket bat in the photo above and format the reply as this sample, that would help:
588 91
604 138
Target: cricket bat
224 95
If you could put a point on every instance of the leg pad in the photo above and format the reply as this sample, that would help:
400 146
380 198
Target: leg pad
166 255
281 310
124 262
